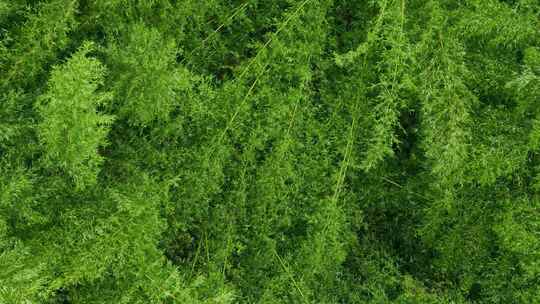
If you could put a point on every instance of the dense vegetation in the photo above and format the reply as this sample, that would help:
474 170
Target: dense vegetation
256 151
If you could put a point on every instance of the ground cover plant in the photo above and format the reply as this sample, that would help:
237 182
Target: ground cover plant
256 151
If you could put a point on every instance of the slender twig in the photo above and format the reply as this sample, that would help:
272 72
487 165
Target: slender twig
243 73
211 35
401 187
195 258
287 270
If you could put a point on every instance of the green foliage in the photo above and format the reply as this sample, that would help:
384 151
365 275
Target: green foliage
72 129
35 42
291 151
144 75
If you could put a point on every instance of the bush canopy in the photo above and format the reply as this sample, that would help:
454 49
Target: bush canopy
257 151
